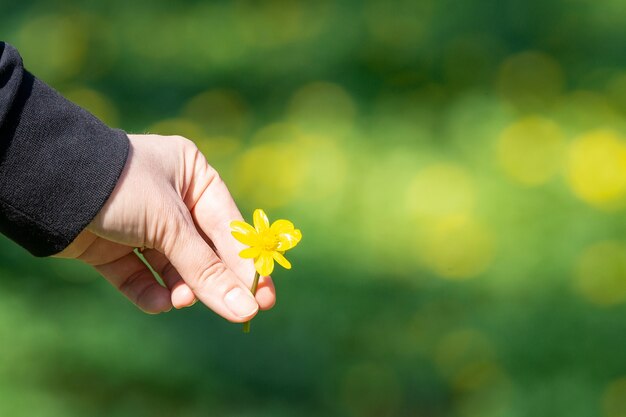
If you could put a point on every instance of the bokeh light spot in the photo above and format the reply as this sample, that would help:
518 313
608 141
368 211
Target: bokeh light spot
276 132
53 46
327 169
460 347
401 119
530 79
219 112
466 358
530 150
473 122
597 169
476 375
614 399
97 103
275 23
323 108
465 353
493 401
270 174
600 275
457 247
178 126
399 25
581 111
440 190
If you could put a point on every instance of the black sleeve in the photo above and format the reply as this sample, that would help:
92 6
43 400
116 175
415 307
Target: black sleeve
58 163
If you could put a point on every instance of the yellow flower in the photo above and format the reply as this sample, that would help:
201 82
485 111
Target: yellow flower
266 243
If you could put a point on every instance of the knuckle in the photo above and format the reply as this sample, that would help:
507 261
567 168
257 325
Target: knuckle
177 138
185 143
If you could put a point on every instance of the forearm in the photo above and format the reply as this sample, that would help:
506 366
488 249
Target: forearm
58 163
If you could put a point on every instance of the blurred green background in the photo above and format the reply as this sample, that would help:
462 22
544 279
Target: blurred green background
458 170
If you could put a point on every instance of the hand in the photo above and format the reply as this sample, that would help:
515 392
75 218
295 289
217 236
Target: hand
169 201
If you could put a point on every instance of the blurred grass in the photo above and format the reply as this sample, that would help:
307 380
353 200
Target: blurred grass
458 170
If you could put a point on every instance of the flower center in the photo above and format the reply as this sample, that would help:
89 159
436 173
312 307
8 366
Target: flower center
269 241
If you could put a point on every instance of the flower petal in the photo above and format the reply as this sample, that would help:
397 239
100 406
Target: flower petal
282 226
261 221
288 241
250 240
264 264
252 252
241 227
244 233
282 261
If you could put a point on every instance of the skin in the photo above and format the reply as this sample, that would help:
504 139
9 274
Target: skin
171 202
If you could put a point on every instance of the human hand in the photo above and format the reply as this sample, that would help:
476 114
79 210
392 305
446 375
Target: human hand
171 202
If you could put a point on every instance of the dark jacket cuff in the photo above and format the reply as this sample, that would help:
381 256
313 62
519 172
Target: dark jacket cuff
58 163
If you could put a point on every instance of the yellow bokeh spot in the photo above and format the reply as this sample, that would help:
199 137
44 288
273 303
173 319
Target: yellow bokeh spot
293 165
614 399
460 347
582 110
322 108
466 358
530 150
456 247
219 112
597 169
53 46
276 132
600 275
493 401
323 166
216 147
440 190
178 126
270 174
477 374
273 23
403 24
97 103
327 169
530 79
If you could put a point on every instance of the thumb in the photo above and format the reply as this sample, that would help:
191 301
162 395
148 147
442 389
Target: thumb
209 278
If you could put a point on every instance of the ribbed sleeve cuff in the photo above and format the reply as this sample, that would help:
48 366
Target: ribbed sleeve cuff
59 164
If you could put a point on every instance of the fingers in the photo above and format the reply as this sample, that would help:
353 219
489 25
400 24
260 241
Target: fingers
182 296
213 208
213 214
265 293
210 279
131 277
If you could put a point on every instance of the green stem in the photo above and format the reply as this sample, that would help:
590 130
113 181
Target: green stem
255 284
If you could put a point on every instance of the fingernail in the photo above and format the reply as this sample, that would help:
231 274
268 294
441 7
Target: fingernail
240 302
